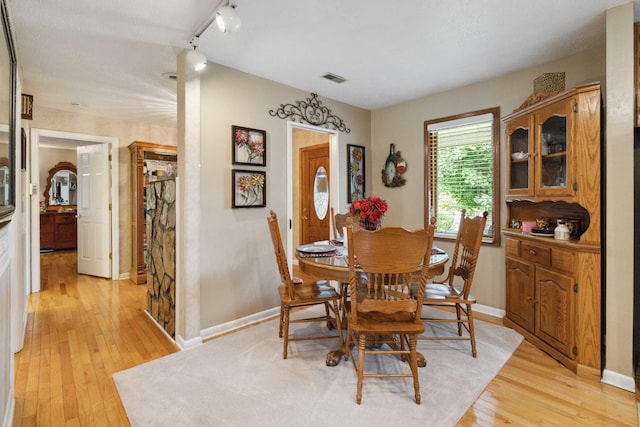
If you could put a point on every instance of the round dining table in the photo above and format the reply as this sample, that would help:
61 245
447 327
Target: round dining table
333 266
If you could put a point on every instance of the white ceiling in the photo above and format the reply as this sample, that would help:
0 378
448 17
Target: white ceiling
110 55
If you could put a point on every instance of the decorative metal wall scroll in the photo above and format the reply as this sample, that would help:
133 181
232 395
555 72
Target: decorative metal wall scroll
394 167
310 111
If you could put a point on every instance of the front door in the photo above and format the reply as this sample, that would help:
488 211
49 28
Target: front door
314 193
94 214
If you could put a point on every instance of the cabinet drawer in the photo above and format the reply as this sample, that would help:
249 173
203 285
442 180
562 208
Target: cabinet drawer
65 219
562 260
513 247
536 254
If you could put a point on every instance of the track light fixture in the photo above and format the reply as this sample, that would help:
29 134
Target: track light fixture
196 60
228 21
227 17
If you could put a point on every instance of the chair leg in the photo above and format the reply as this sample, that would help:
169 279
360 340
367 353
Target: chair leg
347 346
413 362
471 330
281 320
361 345
336 313
327 315
286 330
458 314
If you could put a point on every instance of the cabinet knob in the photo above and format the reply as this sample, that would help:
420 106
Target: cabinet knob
532 252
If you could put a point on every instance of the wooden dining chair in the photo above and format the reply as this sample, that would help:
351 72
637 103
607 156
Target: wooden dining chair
302 294
455 290
339 222
382 265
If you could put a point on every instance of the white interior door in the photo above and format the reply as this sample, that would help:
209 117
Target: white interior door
94 215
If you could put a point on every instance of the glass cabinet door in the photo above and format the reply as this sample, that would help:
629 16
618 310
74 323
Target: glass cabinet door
553 168
519 160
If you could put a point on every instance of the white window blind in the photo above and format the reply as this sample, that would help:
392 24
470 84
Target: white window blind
461 175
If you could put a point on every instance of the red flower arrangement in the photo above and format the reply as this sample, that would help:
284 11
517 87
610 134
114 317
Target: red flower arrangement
369 210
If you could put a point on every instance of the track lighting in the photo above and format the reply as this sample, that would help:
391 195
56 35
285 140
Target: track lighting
196 60
227 18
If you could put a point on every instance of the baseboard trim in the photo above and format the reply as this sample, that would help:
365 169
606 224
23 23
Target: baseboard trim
155 322
233 325
186 344
491 311
618 380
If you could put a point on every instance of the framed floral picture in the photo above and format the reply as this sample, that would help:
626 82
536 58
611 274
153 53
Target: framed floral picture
249 146
356 184
249 189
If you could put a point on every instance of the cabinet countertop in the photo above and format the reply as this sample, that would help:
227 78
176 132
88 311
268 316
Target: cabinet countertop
571 244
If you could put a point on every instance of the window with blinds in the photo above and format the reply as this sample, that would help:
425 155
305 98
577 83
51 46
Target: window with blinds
463 171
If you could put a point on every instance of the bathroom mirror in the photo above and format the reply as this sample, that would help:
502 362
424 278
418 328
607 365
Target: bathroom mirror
62 186
7 116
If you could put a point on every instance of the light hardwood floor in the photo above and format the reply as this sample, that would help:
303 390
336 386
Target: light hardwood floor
81 330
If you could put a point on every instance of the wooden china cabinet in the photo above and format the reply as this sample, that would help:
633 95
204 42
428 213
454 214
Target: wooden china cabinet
553 294
149 162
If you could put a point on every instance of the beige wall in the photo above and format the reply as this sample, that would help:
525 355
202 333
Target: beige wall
126 132
238 270
403 125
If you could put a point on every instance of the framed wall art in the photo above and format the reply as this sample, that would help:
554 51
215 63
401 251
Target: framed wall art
356 181
249 189
249 146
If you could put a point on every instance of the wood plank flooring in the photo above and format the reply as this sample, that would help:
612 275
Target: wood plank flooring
81 330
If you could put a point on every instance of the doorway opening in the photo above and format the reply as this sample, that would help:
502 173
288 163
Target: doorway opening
298 136
103 176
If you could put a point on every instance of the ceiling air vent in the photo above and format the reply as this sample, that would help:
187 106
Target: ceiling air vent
334 78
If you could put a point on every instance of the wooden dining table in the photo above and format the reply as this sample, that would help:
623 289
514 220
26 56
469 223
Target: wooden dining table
334 266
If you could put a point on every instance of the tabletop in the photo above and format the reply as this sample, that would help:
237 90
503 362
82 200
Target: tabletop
335 267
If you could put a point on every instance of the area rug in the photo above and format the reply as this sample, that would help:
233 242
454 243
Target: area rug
241 380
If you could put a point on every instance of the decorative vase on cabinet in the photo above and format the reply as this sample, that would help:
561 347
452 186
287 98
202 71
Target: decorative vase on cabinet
554 286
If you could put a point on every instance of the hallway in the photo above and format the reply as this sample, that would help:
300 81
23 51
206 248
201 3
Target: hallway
80 330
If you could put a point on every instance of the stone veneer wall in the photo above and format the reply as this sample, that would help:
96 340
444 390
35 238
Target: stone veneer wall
161 247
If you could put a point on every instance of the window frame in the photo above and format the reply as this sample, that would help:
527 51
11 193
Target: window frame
494 239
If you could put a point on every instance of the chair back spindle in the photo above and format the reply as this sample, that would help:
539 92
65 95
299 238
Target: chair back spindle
387 261
465 254
281 257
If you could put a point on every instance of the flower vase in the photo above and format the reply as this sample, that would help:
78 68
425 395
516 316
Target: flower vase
369 225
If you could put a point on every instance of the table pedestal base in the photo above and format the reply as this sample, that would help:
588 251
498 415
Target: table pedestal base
333 357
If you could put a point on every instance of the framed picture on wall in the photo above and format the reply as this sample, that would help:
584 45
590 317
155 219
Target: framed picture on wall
249 146
249 189
356 181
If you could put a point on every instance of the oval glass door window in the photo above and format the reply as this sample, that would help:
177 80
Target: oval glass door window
321 193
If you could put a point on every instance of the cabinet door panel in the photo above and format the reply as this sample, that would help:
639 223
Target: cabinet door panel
520 155
554 141
555 310
520 293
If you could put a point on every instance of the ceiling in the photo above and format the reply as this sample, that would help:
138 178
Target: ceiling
108 57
